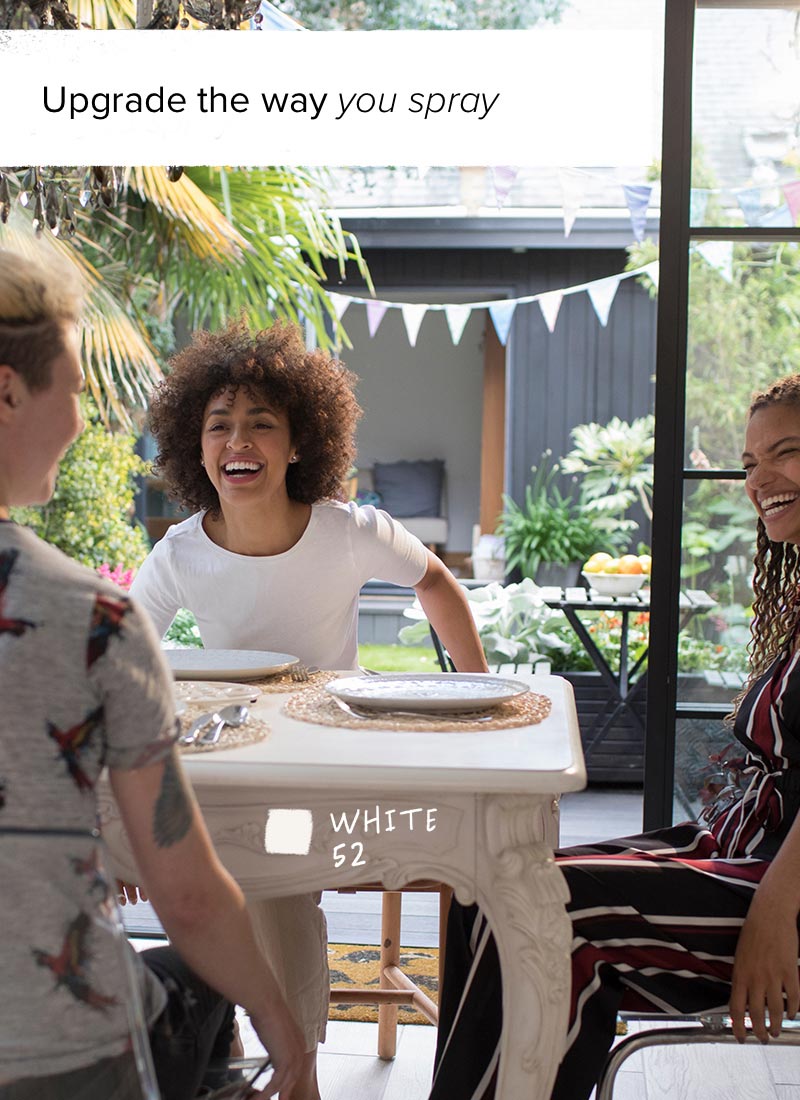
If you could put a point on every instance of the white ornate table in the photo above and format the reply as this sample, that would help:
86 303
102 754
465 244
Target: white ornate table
477 810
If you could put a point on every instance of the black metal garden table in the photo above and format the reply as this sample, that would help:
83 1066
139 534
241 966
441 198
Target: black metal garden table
629 682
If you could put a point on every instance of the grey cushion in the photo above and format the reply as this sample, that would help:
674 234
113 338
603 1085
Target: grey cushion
410 488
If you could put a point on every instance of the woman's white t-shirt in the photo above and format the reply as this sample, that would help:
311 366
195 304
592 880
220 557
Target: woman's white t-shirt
303 601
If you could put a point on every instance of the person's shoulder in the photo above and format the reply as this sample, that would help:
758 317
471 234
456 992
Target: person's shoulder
186 535
186 529
336 514
44 565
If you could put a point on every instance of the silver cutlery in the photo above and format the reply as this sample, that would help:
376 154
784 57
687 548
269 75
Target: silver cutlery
193 732
366 713
233 715
300 674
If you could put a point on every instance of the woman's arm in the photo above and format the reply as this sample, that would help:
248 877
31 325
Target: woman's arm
447 609
201 907
765 965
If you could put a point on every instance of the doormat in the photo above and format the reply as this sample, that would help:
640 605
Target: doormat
354 965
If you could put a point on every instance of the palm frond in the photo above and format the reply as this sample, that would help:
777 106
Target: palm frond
104 15
119 362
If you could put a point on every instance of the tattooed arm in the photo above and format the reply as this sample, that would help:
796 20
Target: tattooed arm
201 907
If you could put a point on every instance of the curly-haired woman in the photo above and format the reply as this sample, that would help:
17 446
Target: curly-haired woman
257 434
699 917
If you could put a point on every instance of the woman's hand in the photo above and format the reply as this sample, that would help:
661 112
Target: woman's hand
765 967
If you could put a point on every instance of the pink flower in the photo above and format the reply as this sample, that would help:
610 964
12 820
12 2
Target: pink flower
120 576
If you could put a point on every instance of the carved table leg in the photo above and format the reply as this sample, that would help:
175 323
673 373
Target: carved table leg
523 895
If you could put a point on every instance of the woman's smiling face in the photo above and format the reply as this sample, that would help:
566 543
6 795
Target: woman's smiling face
771 459
246 445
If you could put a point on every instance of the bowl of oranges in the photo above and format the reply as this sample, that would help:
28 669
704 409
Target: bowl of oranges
622 576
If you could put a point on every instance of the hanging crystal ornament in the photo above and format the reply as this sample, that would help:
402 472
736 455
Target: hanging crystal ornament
174 172
67 217
5 199
30 182
38 213
51 206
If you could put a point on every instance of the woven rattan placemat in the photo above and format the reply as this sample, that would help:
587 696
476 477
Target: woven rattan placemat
317 705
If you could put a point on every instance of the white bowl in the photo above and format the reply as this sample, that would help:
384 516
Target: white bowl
615 584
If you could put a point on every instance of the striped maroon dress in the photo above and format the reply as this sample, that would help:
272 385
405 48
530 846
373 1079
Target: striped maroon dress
655 917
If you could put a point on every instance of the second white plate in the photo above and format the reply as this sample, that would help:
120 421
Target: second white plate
226 664
426 691
214 691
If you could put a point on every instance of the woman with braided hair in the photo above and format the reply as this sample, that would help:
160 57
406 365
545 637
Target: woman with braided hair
703 916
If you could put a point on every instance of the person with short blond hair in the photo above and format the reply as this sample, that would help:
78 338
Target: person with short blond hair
83 685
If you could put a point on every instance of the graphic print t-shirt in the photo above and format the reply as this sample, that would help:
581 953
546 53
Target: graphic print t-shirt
82 685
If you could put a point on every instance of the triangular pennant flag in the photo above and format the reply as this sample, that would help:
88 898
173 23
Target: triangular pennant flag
412 316
550 304
780 218
601 292
502 314
375 312
698 201
652 271
340 303
719 254
457 317
792 193
503 178
750 204
573 186
637 198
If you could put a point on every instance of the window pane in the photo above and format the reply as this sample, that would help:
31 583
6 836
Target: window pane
743 332
745 122
697 777
718 543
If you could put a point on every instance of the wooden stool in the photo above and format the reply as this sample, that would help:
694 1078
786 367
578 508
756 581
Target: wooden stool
396 988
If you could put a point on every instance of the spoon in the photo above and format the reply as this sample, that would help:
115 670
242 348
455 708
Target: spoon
193 732
233 715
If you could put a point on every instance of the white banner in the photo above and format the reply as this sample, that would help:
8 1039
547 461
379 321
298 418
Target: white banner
457 317
325 98
550 304
413 315
601 293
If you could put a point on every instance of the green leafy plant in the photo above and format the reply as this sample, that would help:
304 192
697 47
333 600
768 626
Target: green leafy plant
511 620
614 463
184 631
548 527
90 514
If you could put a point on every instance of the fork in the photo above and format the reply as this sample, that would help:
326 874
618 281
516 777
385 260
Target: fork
300 674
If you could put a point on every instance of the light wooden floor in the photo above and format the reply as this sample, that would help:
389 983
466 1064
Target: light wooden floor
350 1069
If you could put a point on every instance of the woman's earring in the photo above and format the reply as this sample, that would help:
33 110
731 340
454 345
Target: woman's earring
295 458
202 462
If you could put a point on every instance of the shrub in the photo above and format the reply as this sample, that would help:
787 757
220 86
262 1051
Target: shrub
90 514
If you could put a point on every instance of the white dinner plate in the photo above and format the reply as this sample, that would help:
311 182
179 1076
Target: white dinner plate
214 691
432 691
226 664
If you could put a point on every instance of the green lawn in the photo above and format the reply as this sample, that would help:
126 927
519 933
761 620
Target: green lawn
398 658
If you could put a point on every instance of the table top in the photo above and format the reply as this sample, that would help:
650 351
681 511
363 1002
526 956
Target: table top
528 759
691 598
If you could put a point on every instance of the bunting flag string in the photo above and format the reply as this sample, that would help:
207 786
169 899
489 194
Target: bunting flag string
601 293
775 204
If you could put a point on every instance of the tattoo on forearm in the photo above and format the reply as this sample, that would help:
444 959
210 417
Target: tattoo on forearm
172 816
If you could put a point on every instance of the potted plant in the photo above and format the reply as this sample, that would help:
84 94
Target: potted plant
549 529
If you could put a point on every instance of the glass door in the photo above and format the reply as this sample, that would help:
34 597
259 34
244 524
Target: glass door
729 323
